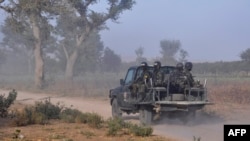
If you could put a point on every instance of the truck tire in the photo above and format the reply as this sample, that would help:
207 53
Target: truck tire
116 111
145 116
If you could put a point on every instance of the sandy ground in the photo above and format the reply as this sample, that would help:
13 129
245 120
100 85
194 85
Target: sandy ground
207 128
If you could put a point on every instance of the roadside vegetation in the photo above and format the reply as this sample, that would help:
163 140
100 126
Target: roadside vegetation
45 113
6 102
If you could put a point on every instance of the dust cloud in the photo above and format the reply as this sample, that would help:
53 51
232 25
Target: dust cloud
205 127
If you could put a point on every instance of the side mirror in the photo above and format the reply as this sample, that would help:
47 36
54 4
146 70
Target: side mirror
122 82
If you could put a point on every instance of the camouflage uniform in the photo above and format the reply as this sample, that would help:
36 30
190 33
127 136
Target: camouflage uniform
140 86
188 74
178 80
158 75
189 77
158 78
144 81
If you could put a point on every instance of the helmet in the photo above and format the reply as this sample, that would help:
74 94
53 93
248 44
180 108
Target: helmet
179 66
157 64
188 66
144 64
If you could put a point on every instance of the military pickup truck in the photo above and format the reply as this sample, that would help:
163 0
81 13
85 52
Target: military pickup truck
158 101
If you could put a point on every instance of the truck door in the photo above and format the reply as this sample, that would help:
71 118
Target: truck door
125 94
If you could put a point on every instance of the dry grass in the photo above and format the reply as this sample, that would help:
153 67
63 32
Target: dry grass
230 94
59 131
229 98
90 84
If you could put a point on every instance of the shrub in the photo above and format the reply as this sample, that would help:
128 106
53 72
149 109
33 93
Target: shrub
94 120
50 110
139 130
72 115
114 126
29 116
76 116
40 113
6 102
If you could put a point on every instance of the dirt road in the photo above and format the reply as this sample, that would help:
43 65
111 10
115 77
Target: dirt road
207 128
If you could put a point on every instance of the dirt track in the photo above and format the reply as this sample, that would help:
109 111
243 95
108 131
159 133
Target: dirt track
208 128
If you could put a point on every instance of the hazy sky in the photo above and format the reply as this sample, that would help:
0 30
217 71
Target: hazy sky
209 30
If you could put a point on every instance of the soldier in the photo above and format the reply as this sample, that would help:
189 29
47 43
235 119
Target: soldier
188 74
142 82
177 79
158 75
146 76
178 69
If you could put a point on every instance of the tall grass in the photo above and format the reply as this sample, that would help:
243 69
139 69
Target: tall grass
222 89
229 98
229 93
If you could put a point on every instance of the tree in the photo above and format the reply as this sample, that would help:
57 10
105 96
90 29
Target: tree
82 21
19 40
111 61
245 55
2 57
139 52
139 55
90 58
32 16
169 48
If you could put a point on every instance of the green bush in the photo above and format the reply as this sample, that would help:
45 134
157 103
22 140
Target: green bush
50 110
94 120
114 126
40 113
72 116
139 130
43 111
117 125
6 102
75 116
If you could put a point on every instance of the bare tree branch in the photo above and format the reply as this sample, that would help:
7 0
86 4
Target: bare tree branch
65 51
7 9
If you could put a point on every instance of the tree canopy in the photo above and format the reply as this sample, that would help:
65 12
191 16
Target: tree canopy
45 25
169 48
245 55
111 61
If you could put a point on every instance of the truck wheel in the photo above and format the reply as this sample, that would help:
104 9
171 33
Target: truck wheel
145 116
116 111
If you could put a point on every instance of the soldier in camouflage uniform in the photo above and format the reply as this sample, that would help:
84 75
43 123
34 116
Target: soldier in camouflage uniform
188 74
158 75
177 79
143 82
